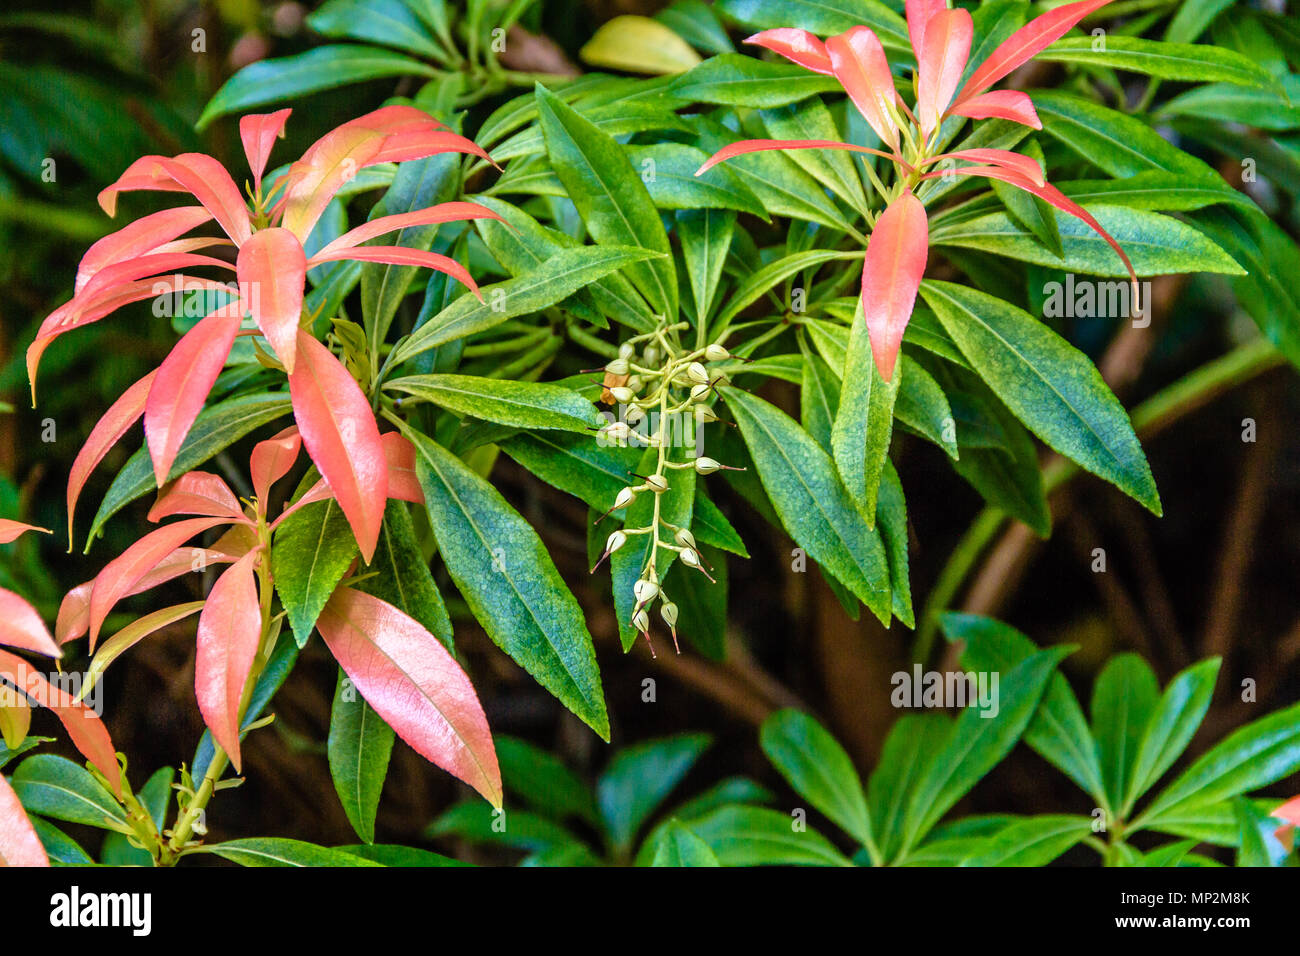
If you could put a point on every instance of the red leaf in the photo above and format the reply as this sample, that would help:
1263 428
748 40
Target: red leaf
400 454
212 186
11 531
759 145
1017 163
1026 43
417 144
197 493
86 730
891 274
342 438
1288 812
182 385
860 65
21 626
106 433
272 269
230 629
258 132
19 844
414 684
941 64
121 574
919 14
443 212
271 461
313 180
145 173
143 236
402 256
1000 104
797 46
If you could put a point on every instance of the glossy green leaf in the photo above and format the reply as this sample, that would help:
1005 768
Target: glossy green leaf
733 79
863 423
818 769
833 168
543 781
891 517
359 746
1036 841
1186 62
1124 698
922 406
678 846
155 796
755 836
388 22
706 237
55 787
822 17
277 851
1171 725
310 553
668 171
911 744
640 778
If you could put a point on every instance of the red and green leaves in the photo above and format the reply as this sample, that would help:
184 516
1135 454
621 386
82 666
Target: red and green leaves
20 624
414 684
230 630
19 844
891 275
340 433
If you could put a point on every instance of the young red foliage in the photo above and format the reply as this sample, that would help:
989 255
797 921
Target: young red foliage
230 629
19 844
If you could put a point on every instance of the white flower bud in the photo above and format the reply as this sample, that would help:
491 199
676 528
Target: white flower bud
658 483
645 591
625 352
615 541
684 536
617 431
716 353
636 383
622 394
641 621
617 367
690 557
652 356
704 414
706 466
696 372
634 414
699 393
669 613
625 498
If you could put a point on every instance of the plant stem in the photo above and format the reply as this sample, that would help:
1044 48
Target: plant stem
1182 397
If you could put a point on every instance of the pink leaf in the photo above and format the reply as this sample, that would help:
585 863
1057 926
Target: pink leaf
212 186
143 236
1289 813
414 684
107 432
860 65
83 725
891 274
444 212
1016 162
342 438
919 15
417 144
1026 43
400 454
21 626
797 46
402 256
272 269
145 173
121 574
11 531
271 461
759 145
313 180
942 62
197 493
1000 104
258 132
182 385
19 844
230 629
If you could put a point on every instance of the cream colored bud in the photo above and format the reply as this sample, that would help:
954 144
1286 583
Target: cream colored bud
704 414
645 591
696 372
616 430
684 536
706 466
652 356
625 498
636 383
615 541
625 352
617 367
669 613
641 621
622 394
658 483
700 392
634 414
716 353
690 557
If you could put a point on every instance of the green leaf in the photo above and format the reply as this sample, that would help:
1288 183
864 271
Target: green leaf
863 423
310 553
668 171
711 526
277 851
701 603
556 280
1030 211
818 769
610 197
977 742
1171 854
801 481
833 168
1123 700
754 836
388 854
1186 62
611 119
678 846
1171 726
55 787
322 68
1226 103
819 396
507 402
758 284
639 779
910 747
823 17
1156 245
891 515
733 79
1058 731
1155 189
922 406
706 237
503 570
217 427
1048 384
523 830
359 746
1264 751
399 574
155 796
577 464
543 781
1036 841
1259 844
61 848
390 22
696 23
